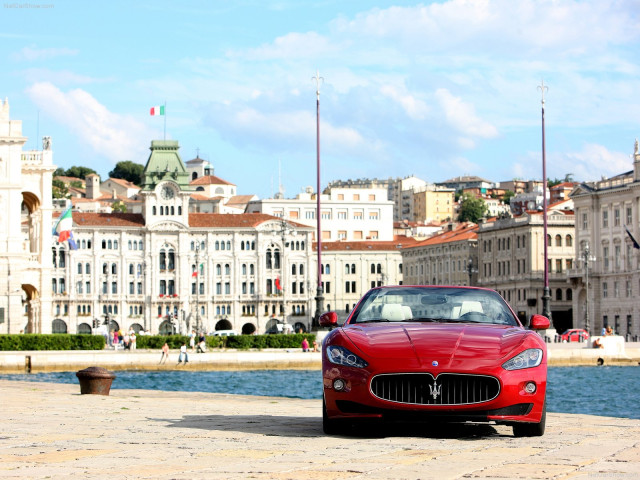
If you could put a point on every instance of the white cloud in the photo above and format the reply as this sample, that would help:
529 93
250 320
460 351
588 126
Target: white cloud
30 54
414 107
112 136
463 118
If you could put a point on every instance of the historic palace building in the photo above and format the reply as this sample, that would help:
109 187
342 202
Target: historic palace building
607 232
168 270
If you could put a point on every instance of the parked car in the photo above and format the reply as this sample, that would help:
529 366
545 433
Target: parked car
434 353
575 335
224 333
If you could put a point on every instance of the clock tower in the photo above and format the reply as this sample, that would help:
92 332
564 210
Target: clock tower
166 188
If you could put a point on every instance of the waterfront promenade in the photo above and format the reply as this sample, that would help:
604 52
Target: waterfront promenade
560 354
50 431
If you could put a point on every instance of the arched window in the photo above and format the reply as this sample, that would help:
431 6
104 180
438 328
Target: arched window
114 269
79 268
378 268
140 245
268 260
558 241
217 245
131 271
251 269
153 210
373 268
558 294
568 241
293 269
87 268
548 240
569 294
347 268
302 269
353 268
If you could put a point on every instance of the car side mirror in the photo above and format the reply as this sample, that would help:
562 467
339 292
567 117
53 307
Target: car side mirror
329 319
539 322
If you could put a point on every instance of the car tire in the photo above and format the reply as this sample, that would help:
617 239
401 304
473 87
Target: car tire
330 426
532 429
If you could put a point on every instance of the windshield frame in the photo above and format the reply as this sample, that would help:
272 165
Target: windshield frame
437 298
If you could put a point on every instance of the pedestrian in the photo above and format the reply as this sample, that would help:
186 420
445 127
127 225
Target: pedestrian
315 346
132 339
183 354
305 344
165 353
192 340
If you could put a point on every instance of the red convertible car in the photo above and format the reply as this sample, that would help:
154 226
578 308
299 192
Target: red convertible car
434 353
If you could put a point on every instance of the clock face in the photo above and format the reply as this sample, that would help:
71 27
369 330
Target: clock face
167 193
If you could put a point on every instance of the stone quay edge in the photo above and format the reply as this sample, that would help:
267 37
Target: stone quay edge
50 431
559 354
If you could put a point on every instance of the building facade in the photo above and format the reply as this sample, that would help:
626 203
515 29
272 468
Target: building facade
511 261
448 258
607 231
25 222
168 270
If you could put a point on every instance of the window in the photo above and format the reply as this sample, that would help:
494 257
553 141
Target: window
342 234
605 257
359 215
629 216
605 290
342 215
616 217
568 241
558 294
373 215
558 241
559 265
585 224
605 218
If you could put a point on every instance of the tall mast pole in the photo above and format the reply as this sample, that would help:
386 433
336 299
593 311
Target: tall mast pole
546 296
319 298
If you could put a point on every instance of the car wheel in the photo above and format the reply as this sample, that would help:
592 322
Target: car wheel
531 429
330 426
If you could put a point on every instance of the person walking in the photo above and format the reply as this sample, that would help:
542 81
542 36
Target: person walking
165 353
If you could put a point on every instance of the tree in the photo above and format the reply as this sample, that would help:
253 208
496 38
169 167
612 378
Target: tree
128 170
119 206
59 189
472 209
508 195
59 172
79 172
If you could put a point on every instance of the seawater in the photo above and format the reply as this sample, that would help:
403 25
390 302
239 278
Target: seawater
607 390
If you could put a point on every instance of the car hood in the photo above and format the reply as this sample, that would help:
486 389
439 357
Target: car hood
449 344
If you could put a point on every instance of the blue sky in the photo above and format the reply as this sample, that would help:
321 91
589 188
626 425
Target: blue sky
432 89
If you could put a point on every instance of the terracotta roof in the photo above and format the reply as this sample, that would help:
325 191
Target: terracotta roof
210 180
231 220
108 219
123 182
466 231
240 199
199 197
376 245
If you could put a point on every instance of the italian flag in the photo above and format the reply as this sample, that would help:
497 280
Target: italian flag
195 272
159 110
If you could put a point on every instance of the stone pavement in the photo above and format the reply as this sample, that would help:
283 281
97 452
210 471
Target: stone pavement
51 431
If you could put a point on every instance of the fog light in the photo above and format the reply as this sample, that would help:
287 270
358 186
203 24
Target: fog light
530 387
339 385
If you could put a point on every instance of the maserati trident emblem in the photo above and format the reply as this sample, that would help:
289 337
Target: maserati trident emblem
434 390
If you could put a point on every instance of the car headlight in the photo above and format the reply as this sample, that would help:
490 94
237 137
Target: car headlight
528 359
342 356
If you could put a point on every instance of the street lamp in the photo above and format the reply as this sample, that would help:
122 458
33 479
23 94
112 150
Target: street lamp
586 258
284 229
198 272
546 296
471 270
319 290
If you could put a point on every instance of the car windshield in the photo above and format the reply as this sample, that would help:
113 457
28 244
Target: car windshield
433 304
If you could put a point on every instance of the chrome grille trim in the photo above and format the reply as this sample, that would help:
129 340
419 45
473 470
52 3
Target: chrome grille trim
445 389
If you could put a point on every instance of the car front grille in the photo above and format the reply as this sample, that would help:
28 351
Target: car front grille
445 389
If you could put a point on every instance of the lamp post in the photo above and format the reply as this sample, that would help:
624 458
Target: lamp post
284 229
546 296
198 272
471 270
319 290
586 258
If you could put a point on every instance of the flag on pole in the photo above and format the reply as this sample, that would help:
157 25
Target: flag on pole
63 229
633 240
278 286
158 110
195 272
